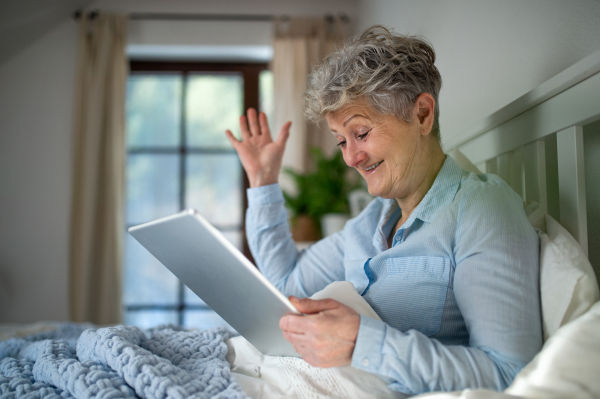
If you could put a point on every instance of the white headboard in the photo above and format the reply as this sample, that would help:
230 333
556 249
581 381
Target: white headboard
536 144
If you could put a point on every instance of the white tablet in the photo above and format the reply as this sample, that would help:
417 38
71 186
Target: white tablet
202 258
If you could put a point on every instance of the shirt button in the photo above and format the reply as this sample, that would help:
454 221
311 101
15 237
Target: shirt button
365 362
257 371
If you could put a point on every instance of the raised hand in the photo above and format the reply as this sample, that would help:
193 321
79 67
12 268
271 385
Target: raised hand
260 155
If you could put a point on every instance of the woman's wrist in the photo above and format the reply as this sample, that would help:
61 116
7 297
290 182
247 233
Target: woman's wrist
262 180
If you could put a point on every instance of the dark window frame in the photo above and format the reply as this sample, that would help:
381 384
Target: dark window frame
250 73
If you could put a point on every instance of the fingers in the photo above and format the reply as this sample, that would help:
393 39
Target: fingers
293 323
253 122
320 347
234 142
284 133
295 338
264 125
244 128
307 305
255 125
299 323
298 341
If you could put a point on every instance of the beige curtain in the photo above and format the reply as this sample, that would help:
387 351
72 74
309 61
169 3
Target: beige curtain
299 44
97 225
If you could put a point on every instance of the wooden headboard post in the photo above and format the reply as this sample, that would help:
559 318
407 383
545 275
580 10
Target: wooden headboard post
571 183
536 144
534 155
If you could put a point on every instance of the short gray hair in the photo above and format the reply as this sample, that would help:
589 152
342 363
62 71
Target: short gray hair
387 70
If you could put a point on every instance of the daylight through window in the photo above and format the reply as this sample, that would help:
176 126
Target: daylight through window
179 158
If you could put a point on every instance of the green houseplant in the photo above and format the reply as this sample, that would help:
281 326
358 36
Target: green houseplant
323 190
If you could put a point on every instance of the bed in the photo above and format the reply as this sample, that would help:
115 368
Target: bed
536 144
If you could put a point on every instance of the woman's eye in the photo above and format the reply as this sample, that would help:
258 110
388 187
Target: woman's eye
341 144
363 136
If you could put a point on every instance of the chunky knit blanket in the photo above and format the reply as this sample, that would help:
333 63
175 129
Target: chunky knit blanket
118 362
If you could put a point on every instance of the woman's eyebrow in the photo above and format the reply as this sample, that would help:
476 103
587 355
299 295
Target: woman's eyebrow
349 119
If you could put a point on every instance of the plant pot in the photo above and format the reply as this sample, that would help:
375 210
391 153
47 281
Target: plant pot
333 222
304 228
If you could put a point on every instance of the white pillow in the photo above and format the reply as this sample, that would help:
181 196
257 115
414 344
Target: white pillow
536 217
567 281
468 394
567 366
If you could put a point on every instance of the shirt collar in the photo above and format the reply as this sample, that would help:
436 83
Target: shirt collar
441 193
439 196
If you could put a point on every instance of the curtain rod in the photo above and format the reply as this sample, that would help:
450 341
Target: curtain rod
204 17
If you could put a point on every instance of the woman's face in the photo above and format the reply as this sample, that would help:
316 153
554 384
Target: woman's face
388 152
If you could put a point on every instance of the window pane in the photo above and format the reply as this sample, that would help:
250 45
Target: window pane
152 186
153 110
214 104
203 319
190 298
265 93
214 187
150 318
234 237
146 280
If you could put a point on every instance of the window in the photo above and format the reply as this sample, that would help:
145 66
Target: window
179 158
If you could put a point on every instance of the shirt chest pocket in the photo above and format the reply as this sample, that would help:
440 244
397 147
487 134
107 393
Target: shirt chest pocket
413 294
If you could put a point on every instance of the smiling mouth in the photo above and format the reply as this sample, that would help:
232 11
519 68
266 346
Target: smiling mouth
373 166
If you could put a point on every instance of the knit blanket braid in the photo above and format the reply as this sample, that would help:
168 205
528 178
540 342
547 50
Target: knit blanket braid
118 362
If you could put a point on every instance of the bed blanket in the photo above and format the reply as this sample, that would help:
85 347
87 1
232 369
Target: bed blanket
118 362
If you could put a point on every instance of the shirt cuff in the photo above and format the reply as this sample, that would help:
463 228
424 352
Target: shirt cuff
264 195
369 345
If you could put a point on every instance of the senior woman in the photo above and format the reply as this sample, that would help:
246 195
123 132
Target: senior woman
446 258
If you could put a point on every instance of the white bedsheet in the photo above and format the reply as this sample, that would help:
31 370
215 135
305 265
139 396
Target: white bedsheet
287 377
567 367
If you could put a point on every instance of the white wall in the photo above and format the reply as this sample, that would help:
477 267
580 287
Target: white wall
36 96
491 52
216 33
205 40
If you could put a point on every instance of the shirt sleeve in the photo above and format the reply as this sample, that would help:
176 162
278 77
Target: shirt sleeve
294 273
496 287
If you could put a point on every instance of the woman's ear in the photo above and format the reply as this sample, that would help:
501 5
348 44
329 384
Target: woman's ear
425 111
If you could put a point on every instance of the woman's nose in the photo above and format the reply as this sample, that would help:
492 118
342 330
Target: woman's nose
354 155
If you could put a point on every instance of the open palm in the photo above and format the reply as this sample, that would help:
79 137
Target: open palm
260 156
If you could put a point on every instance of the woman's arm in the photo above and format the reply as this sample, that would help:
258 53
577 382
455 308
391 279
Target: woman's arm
292 272
496 287
267 228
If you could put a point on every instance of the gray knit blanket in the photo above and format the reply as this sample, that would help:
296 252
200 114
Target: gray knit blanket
118 362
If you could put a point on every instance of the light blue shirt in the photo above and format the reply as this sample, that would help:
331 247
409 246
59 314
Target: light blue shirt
458 291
